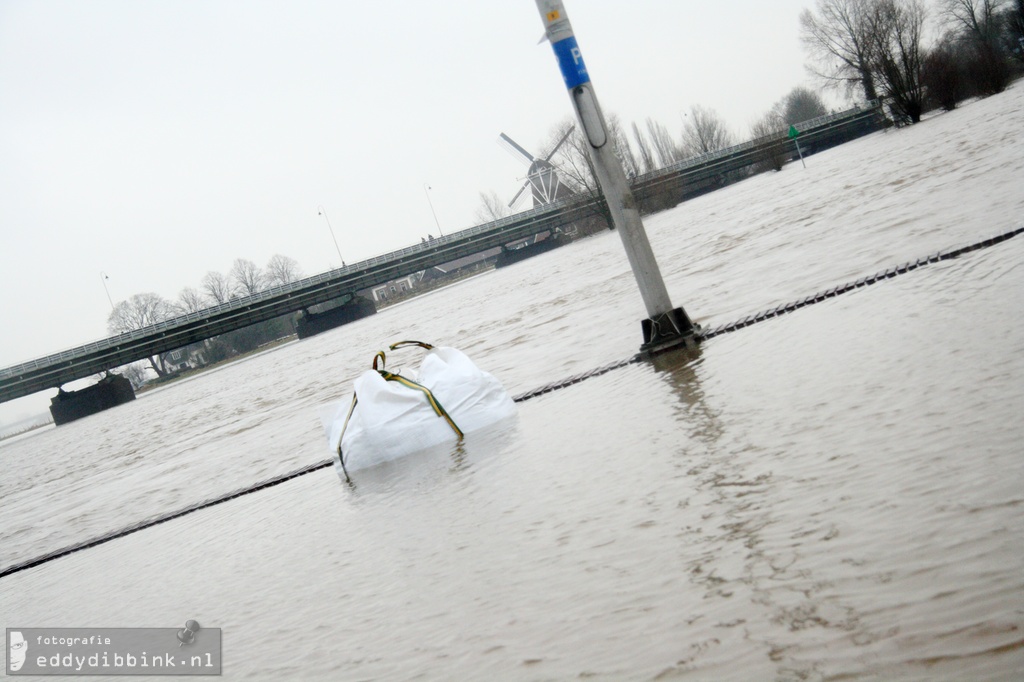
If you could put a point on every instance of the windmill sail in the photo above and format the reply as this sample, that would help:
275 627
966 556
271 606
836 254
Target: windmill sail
542 177
513 146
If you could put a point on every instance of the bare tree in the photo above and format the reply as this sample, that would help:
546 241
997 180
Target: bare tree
801 104
941 74
573 162
898 28
281 270
576 168
623 149
977 19
139 311
988 68
983 28
770 129
491 207
135 373
666 150
704 131
839 40
1014 37
247 276
190 301
646 156
217 287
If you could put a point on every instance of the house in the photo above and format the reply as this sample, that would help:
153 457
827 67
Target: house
189 357
396 288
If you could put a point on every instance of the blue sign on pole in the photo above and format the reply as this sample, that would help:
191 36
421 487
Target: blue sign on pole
570 61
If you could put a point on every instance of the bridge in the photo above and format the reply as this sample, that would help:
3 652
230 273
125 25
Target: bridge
680 180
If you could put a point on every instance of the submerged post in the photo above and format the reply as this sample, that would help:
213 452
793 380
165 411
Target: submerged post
665 327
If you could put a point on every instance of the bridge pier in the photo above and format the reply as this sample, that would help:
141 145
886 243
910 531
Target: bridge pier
111 391
311 323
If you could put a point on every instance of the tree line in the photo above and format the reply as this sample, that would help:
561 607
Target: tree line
652 146
875 49
880 47
243 279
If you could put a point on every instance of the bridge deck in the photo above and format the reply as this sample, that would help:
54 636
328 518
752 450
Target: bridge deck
60 368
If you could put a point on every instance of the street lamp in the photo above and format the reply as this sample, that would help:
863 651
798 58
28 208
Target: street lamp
104 278
322 211
426 190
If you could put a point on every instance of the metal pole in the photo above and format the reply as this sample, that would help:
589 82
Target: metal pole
794 134
322 211
426 190
666 326
104 278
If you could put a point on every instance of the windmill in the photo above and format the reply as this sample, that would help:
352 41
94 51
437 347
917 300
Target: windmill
542 176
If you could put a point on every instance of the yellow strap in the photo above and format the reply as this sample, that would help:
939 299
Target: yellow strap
434 403
344 427
403 344
388 376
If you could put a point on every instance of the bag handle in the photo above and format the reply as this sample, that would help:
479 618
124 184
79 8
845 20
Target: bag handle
405 344
434 403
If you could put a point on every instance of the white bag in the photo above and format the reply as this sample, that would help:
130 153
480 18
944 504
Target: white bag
393 415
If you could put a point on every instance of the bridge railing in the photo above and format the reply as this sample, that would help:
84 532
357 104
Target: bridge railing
273 292
708 157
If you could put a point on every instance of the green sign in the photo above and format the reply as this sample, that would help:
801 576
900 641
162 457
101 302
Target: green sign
793 132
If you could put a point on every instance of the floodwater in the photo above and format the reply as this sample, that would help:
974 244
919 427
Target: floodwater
833 494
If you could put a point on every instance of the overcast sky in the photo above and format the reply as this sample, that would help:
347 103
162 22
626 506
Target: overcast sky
156 141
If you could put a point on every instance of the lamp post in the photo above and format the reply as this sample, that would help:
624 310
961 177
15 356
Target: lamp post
666 326
103 279
426 190
322 211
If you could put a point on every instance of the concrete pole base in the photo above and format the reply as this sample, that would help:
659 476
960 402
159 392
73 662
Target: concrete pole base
668 331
